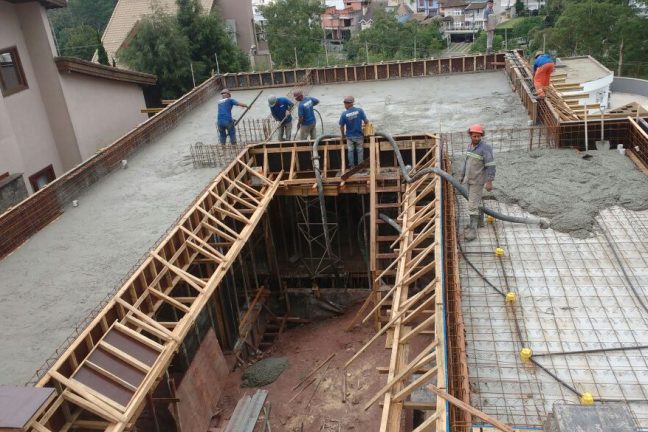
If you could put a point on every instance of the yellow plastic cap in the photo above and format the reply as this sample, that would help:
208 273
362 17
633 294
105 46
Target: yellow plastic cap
490 219
499 252
511 297
587 398
525 354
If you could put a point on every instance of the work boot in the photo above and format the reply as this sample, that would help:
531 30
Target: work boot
481 222
471 233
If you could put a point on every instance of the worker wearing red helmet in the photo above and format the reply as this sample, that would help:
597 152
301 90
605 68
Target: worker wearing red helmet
478 174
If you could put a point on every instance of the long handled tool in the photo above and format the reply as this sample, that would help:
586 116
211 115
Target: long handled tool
603 144
248 108
586 156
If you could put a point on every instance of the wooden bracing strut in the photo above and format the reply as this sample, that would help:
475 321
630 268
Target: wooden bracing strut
117 361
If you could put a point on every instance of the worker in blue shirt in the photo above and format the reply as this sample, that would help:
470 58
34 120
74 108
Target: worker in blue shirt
543 67
280 108
351 127
306 111
224 121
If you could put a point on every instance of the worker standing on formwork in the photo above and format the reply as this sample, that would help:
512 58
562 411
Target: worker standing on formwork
351 126
224 121
306 111
478 174
280 108
490 22
543 67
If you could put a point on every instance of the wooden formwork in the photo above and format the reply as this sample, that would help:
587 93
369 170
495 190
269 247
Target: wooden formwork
365 72
458 384
417 305
103 379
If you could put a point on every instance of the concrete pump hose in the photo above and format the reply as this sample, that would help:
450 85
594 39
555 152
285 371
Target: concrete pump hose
529 220
320 189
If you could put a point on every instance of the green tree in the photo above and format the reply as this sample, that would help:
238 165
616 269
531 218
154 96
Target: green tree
207 37
160 48
294 25
102 55
519 8
603 29
479 45
79 41
522 28
387 39
92 13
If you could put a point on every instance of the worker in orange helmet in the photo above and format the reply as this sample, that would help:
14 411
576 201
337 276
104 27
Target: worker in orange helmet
543 67
478 174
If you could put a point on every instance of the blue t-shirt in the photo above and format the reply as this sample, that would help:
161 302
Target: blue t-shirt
225 110
542 60
352 119
306 110
279 109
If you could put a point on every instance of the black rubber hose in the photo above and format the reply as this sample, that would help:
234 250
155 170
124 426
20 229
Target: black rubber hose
530 220
382 216
321 123
320 192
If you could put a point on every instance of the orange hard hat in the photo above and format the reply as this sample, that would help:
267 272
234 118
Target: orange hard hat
476 128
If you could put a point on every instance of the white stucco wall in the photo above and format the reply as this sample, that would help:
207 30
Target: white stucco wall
38 38
10 157
101 110
25 110
598 92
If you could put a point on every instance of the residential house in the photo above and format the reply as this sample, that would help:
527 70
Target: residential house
429 7
238 16
340 24
462 19
531 5
54 112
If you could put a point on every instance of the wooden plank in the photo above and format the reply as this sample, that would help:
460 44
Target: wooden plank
474 411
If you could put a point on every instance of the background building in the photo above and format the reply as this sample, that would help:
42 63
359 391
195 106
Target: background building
54 112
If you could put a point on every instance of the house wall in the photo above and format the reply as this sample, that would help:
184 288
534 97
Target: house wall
101 110
241 12
202 385
41 46
26 134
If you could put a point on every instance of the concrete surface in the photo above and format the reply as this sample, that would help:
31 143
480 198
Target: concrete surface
413 105
567 189
62 273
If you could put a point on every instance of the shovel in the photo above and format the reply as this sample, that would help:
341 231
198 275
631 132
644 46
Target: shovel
586 156
603 144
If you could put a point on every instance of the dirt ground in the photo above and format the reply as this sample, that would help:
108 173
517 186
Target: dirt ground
320 408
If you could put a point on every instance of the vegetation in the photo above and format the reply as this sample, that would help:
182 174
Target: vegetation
76 26
387 39
169 46
479 45
294 31
610 31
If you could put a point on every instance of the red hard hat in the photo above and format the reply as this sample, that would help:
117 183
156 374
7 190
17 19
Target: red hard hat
476 128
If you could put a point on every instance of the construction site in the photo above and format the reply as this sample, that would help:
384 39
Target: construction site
170 283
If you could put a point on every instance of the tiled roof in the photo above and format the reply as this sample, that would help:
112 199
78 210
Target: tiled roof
127 13
453 3
476 6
